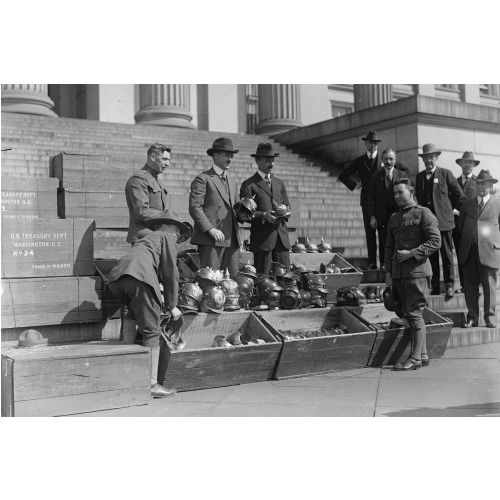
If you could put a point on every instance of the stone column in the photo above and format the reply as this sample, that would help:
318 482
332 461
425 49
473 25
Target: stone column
28 98
369 96
165 104
279 108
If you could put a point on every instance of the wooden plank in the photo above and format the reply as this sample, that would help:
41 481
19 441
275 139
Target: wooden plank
7 387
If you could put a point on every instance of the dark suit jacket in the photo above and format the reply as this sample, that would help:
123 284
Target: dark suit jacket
470 187
380 198
362 167
446 194
486 226
210 206
152 258
146 199
263 235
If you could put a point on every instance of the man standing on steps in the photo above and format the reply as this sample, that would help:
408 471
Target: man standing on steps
467 181
479 252
211 201
438 190
135 280
269 240
365 166
146 196
381 203
412 237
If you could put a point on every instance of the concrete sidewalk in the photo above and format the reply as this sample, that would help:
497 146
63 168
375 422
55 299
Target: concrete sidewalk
465 382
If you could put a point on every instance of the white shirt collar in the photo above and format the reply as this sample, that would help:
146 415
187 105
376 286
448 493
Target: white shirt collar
262 174
218 170
390 172
370 155
485 199
428 174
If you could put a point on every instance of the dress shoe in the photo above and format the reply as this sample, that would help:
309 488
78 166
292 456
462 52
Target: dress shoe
491 325
425 360
460 290
158 391
449 292
470 323
409 364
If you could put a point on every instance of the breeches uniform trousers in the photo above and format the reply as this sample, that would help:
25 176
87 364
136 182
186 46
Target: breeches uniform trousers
143 307
413 294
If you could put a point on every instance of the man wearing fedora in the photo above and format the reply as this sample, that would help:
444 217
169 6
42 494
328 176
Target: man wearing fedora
467 181
438 190
269 240
211 200
365 166
479 251
381 202
135 280
145 194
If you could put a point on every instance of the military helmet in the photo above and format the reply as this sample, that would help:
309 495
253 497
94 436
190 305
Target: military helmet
290 298
265 285
311 247
312 281
248 270
213 300
191 290
298 247
245 209
278 269
306 298
273 299
324 247
228 285
205 277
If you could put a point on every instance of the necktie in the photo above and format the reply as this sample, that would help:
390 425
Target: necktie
223 178
481 206
388 180
268 180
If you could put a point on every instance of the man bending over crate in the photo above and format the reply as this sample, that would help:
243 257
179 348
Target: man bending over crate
136 277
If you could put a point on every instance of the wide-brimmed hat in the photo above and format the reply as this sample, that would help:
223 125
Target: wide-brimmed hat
170 217
265 149
222 144
485 176
31 338
429 149
371 136
467 156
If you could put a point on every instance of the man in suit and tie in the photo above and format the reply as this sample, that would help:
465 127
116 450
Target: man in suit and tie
381 203
268 234
467 181
211 200
438 190
365 166
479 251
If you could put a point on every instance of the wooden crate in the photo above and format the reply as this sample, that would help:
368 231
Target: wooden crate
47 247
67 379
322 354
29 302
200 366
393 345
29 198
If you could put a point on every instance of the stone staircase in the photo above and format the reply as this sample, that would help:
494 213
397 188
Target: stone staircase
323 207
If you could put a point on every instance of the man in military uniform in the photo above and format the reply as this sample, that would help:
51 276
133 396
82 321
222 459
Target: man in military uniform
412 237
145 194
135 280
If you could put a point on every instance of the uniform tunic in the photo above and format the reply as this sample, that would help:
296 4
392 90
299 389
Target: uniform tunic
412 228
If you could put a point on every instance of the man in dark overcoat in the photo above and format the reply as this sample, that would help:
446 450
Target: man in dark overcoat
381 203
211 201
269 240
145 194
479 252
412 237
467 181
438 190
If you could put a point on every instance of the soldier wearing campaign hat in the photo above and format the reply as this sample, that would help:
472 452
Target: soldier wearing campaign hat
135 280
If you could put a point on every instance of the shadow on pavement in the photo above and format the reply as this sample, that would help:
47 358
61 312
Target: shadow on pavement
472 410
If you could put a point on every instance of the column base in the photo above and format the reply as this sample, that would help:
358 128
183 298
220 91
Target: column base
165 117
27 104
276 126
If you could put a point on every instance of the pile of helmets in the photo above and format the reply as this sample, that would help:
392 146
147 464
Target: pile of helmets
246 283
309 247
268 291
245 209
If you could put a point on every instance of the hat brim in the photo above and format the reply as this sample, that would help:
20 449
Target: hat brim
493 181
461 160
185 227
437 152
264 155
211 151
373 140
